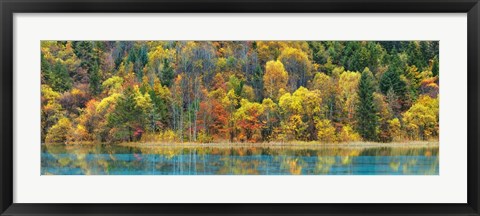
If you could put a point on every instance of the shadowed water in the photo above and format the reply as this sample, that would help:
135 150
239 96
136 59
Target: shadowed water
168 160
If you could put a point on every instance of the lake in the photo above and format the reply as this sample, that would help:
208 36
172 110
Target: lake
233 160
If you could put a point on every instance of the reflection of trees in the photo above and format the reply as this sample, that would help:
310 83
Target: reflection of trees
324 164
86 160
292 166
231 160
410 167
395 165
235 166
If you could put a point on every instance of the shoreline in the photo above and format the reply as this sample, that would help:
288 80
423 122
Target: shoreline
410 144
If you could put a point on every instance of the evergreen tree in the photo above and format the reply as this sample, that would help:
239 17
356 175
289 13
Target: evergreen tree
58 77
167 73
95 80
367 119
391 80
138 55
257 82
124 118
90 56
435 66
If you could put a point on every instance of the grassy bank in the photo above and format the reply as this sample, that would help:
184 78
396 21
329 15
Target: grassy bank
408 144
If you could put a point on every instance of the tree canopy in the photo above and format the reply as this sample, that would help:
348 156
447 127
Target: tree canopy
239 91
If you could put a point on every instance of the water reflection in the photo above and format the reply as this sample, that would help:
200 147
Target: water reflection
170 160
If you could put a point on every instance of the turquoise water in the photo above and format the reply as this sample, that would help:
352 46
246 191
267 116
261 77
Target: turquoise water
115 160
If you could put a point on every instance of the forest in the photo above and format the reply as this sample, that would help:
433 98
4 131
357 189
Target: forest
239 91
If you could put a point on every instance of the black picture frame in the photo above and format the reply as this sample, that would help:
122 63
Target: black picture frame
9 7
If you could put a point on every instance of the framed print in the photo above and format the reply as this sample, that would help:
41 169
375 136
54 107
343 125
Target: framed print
262 108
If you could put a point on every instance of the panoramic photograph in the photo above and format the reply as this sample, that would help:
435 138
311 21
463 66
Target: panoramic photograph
239 107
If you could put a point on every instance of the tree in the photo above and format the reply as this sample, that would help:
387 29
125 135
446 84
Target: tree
113 85
209 91
52 111
395 128
326 132
138 56
434 66
421 120
295 128
74 99
384 115
348 94
89 53
367 119
319 53
159 115
248 117
231 101
269 118
275 78
327 90
124 119
213 117
167 73
298 65
391 81
347 134
303 104
59 132
58 77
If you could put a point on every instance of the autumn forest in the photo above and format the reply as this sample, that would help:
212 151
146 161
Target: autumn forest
239 91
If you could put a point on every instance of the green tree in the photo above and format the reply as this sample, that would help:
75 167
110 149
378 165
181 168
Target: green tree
391 81
123 121
168 73
89 54
58 78
367 119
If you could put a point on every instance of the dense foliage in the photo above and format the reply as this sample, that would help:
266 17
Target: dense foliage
246 91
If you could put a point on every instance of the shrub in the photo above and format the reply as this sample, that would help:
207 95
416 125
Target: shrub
58 133
204 138
347 134
326 132
169 136
163 136
394 128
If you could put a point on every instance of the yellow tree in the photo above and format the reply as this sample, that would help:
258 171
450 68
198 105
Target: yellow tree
326 86
269 118
52 111
275 78
384 115
325 131
112 85
59 132
159 64
229 102
347 134
298 65
294 128
303 105
394 127
270 50
248 118
421 120
88 123
348 97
